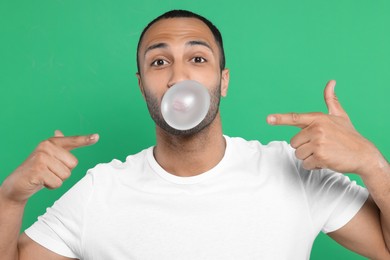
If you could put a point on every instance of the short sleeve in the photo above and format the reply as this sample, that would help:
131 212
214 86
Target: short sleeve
60 228
332 197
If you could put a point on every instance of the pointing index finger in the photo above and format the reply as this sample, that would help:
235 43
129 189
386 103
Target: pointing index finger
292 119
73 142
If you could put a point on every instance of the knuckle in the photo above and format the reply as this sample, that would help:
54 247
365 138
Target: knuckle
293 144
73 162
298 154
52 181
320 156
39 155
317 156
36 181
320 133
63 175
77 140
316 144
320 142
54 184
40 160
58 184
318 129
66 174
44 145
40 166
295 117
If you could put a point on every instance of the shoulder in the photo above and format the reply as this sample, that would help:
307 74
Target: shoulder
276 149
273 159
115 169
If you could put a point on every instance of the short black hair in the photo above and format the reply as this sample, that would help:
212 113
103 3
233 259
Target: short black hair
187 14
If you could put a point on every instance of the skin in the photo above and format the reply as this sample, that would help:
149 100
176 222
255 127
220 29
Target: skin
174 50
170 52
48 166
368 233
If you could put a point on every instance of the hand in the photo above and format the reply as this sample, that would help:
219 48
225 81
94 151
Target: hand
48 166
329 140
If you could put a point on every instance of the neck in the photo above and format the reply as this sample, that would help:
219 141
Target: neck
190 155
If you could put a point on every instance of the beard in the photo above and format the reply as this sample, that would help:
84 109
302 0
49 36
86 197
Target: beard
154 107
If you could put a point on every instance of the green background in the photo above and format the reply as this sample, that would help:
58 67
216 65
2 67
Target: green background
70 65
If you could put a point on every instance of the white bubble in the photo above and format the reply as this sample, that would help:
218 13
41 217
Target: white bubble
185 104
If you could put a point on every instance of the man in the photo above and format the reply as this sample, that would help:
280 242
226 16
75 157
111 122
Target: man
199 194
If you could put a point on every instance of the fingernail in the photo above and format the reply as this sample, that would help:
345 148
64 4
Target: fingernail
271 120
93 137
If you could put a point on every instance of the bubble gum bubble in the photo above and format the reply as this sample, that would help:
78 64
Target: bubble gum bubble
185 104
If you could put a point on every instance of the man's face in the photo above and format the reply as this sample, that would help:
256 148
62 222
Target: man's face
178 49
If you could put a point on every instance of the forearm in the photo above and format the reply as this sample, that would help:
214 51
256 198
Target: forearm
11 215
378 184
386 228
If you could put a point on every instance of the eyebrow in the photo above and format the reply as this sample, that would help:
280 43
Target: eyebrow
202 43
162 45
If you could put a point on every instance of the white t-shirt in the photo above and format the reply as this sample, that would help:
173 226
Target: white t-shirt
257 203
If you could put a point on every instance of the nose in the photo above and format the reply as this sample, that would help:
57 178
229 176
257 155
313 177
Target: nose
178 73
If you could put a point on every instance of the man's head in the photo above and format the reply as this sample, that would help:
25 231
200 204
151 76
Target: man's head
187 14
181 47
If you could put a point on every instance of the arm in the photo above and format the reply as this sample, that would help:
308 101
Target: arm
368 232
331 141
29 249
13 247
363 233
48 166
11 215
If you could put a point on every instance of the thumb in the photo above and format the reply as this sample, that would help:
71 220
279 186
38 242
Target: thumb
58 133
331 100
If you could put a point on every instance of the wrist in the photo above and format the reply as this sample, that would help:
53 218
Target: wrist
6 199
374 166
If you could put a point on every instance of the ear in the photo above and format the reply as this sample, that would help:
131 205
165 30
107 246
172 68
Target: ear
140 85
225 82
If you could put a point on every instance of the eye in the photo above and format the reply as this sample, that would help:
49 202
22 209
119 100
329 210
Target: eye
159 62
198 59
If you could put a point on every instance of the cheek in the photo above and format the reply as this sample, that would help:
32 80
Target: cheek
151 91
154 83
207 77
210 81
154 77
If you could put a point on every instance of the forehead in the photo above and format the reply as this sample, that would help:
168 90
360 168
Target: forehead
177 29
